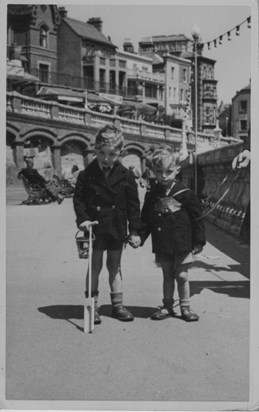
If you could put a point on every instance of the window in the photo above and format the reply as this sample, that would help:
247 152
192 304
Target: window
172 73
44 73
243 125
102 61
122 64
112 62
185 75
43 37
243 106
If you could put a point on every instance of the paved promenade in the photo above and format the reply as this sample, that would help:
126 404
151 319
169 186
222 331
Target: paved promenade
48 357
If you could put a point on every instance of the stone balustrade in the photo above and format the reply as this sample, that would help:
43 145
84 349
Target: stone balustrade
29 106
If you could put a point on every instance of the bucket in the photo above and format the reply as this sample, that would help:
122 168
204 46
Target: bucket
82 243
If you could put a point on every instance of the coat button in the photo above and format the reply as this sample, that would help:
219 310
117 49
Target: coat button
98 208
113 206
159 214
159 229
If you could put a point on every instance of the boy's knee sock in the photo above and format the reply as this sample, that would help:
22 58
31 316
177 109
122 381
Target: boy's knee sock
184 303
116 298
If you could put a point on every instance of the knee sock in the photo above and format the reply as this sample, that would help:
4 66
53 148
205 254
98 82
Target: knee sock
116 298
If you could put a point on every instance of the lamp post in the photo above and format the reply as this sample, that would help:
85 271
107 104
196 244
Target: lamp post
196 36
226 126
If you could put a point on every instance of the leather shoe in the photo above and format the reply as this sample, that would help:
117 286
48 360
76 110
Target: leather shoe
97 319
121 313
188 315
163 313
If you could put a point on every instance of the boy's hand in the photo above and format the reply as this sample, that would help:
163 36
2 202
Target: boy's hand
134 241
85 226
197 249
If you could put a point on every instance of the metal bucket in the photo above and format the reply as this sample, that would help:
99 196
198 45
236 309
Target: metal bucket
82 243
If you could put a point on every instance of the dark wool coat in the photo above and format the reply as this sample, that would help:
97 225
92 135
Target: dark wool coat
113 201
172 232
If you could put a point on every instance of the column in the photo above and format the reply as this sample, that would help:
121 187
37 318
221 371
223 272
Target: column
88 156
57 159
18 154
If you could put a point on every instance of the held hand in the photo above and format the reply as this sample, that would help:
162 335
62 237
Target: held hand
134 241
85 226
242 160
197 249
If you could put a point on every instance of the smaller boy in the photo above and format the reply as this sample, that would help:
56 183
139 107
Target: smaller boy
106 192
171 214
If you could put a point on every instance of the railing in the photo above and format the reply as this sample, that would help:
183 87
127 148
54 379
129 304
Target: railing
143 75
83 83
37 108
225 194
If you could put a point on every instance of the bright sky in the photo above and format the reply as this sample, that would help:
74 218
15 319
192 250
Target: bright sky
214 18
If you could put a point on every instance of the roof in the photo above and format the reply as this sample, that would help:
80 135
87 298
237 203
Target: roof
171 37
61 94
87 31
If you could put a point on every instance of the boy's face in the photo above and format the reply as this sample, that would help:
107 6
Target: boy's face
166 174
107 155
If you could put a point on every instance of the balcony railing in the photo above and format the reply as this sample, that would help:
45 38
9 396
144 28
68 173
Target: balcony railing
61 79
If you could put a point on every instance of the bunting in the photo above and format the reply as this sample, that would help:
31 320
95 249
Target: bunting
219 40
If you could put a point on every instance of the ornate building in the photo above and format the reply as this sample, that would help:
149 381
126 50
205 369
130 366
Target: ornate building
181 46
241 113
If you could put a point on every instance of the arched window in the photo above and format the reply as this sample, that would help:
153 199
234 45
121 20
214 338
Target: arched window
43 37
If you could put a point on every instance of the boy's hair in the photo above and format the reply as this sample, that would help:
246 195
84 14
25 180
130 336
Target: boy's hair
165 156
109 135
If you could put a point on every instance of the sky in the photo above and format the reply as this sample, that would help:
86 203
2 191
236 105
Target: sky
214 18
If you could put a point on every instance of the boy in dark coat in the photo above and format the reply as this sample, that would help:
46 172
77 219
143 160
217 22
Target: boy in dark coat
171 214
106 192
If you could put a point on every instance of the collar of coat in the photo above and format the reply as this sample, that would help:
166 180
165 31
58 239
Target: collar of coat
116 174
177 187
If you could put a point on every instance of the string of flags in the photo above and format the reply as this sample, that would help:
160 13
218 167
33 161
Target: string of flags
219 39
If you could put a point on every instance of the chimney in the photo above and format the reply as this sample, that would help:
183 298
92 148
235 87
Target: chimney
62 12
96 22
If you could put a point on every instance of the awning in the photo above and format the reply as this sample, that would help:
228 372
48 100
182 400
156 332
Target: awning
96 98
141 108
61 93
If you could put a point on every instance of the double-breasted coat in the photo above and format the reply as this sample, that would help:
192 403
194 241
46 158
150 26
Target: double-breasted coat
172 220
113 201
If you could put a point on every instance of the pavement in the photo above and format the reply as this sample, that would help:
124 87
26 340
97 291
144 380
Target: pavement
50 358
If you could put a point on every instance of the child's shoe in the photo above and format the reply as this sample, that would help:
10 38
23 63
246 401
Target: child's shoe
97 319
163 313
188 315
121 313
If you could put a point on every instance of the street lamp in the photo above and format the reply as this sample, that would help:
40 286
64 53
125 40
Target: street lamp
196 37
226 126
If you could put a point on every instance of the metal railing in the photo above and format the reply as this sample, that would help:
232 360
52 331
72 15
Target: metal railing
88 83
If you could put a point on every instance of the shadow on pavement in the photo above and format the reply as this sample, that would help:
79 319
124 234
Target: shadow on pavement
236 289
230 246
68 312
215 269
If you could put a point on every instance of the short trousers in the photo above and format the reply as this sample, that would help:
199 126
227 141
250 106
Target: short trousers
107 243
179 259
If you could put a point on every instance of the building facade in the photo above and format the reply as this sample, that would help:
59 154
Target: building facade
241 113
182 47
33 30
